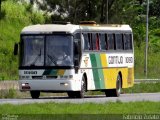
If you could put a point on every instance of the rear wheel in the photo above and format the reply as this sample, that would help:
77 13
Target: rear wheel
35 94
115 92
118 86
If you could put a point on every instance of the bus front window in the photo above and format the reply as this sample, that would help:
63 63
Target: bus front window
32 51
59 50
49 50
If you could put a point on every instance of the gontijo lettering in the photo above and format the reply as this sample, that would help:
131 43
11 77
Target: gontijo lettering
115 59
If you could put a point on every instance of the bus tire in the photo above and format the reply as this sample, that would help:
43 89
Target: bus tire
118 86
81 93
115 92
35 94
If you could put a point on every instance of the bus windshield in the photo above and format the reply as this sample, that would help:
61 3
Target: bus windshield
49 50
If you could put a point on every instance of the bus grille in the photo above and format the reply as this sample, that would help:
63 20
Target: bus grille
44 77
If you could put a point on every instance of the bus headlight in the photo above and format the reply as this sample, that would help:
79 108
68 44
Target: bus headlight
67 77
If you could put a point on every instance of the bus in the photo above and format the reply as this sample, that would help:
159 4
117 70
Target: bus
75 58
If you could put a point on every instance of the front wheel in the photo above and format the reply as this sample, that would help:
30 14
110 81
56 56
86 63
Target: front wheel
35 94
80 94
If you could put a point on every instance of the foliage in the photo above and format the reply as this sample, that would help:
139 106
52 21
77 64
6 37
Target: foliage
154 8
15 18
11 93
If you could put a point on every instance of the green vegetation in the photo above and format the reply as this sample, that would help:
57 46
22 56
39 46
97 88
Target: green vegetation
14 16
143 88
87 108
87 111
153 63
11 93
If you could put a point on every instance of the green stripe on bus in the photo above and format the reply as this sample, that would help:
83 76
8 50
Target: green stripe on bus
50 72
100 71
97 73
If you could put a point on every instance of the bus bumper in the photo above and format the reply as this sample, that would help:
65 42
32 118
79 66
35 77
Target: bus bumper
50 85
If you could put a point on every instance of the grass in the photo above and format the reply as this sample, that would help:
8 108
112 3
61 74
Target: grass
153 63
87 108
11 93
143 88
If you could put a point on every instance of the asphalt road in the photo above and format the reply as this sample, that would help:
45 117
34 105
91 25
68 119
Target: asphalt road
92 99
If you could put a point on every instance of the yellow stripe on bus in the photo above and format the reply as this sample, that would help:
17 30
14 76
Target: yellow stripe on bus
110 74
104 64
60 72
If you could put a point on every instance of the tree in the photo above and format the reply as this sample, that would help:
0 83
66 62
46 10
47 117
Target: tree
106 6
0 5
1 13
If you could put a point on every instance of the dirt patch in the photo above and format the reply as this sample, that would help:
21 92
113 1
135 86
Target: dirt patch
6 85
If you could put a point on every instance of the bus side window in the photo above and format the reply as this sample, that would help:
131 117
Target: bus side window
119 42
86 41
103 44
130 39
90 41
127 41
95 41
111 43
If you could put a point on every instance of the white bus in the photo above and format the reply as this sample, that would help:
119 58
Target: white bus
75 59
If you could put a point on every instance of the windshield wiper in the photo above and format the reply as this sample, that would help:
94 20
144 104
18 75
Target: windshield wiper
53 59
35 60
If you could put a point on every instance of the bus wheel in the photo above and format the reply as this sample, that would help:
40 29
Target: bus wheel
118 86
35 94
80 94
115 92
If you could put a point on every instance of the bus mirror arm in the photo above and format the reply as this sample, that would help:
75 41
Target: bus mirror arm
16 49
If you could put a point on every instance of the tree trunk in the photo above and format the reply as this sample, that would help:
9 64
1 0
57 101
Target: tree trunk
89 10
102 12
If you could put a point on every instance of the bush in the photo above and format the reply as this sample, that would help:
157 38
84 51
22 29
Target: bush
11 93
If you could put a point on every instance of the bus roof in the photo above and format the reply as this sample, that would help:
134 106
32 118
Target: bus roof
106 27
49 28
70 28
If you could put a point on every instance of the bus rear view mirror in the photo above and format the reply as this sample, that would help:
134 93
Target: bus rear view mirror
76 48
16 49
76 64
77 54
